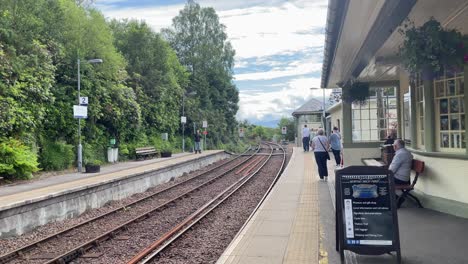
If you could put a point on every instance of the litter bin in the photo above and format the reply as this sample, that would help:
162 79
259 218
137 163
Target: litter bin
112 155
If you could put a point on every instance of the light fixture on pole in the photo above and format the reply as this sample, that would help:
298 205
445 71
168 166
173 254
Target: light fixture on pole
183 118
323 105
80 147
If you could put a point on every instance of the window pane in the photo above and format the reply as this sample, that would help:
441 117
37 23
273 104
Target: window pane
462 105
454 108
356 135
357 124
451 87
356 114
461 86
373 124
455 140
365 123
454 122
443 104
365 135
440 89
444 123
462 122
375 135
444 140
365 114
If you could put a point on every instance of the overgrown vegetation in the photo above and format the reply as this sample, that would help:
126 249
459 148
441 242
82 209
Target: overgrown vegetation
134 95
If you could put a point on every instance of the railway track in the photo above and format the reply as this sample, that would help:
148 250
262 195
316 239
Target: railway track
150 253
40 251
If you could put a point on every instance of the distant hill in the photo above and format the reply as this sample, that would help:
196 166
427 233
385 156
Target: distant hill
266 123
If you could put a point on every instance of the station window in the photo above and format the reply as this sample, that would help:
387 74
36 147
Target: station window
377 117
450 111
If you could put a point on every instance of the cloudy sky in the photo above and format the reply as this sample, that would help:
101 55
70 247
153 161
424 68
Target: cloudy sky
278 43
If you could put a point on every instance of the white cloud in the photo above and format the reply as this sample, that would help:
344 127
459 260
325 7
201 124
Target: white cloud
295 69
254 105
258 30
264 31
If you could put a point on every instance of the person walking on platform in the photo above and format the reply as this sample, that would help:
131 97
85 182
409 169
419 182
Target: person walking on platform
335 145
305 138
197 142
320 147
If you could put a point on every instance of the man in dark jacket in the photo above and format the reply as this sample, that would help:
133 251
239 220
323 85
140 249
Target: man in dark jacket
197 142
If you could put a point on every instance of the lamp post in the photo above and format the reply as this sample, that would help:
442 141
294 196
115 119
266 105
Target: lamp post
80 147
323 106
183 119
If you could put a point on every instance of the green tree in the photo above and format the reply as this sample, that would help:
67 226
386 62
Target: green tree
155 75
290 128
201 44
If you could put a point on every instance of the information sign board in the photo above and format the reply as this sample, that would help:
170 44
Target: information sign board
205 124
284 130
183 119
366 216
80 111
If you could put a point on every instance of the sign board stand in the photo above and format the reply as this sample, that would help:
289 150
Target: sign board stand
366 219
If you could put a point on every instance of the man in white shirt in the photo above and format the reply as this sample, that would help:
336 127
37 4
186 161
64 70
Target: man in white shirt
305 138
401 163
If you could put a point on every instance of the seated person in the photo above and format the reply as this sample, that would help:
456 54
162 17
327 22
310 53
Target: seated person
401 163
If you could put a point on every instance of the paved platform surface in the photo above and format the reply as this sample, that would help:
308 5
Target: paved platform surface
426 236
29 191
285 228
296 224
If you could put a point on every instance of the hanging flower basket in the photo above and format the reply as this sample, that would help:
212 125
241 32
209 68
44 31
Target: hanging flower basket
431 48
358 93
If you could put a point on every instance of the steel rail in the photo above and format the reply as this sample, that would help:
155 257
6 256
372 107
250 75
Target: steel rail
81 249
5 258
153 250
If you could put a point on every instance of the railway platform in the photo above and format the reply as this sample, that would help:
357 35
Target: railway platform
27 205
296 224
285 228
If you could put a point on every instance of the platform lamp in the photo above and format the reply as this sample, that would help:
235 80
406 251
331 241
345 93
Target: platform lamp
323 106
80 147
183 119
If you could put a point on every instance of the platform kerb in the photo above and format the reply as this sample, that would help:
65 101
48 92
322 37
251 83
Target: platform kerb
72 199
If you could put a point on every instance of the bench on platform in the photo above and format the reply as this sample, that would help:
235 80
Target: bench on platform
418 167
146 152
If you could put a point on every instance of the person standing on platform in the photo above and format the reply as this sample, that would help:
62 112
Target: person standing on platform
335 144
197 142
320 147
305 138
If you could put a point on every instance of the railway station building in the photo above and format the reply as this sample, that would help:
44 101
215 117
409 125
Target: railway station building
427 112
310 114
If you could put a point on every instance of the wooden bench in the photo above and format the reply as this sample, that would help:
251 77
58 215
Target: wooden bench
418 167
146 152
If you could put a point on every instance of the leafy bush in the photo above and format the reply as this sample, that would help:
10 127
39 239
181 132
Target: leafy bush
93 153
57 156
17 160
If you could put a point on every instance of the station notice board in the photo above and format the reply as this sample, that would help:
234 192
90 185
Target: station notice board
366 213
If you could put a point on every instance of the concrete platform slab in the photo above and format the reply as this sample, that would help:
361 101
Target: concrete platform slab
285 228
